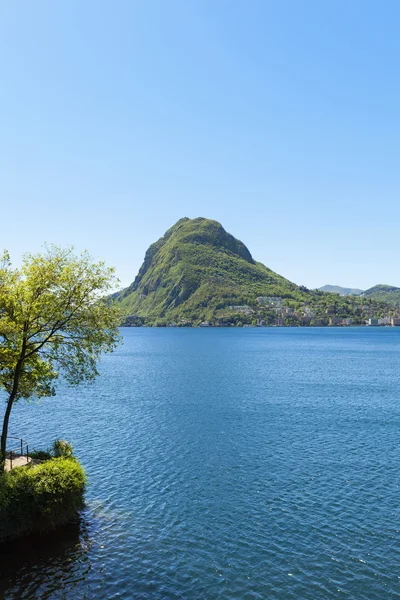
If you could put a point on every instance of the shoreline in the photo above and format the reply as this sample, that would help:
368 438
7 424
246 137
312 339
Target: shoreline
245 326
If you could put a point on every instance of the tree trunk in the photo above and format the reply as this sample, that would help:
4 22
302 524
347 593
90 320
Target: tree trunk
4 434
10 402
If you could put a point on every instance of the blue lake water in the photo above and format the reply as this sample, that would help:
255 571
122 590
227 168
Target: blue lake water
227 464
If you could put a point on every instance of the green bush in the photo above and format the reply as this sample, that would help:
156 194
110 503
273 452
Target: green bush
62 448
41 497
40 455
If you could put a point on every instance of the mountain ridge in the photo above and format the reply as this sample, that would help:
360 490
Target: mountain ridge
189 263
386 293
383 292
342 291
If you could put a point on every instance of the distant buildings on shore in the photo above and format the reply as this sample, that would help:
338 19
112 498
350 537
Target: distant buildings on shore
271 301
385 321
271 311
242 308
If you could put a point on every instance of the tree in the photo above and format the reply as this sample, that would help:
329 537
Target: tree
55 318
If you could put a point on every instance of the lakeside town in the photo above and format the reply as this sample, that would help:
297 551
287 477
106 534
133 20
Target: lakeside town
307 316
274 311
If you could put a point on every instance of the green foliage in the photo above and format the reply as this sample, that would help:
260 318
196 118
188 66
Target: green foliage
40 455
54 317
385 293
41 497
62 448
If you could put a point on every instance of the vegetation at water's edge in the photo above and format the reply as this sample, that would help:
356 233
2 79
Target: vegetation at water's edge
41 497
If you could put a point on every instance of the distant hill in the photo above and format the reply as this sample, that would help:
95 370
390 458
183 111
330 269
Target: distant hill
197 268
342 291
380 293
384 293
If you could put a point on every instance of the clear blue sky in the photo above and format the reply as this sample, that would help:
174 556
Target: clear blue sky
280 119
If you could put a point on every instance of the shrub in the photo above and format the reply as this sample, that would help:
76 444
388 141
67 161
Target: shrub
62 448
40 454
41 497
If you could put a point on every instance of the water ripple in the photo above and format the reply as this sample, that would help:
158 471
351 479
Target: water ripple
226 464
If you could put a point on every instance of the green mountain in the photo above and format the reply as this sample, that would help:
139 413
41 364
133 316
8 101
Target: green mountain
198 272
342 291
384 293
196 269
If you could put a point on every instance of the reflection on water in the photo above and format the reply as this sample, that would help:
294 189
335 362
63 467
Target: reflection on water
46 566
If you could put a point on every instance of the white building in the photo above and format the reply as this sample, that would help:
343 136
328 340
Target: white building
271 300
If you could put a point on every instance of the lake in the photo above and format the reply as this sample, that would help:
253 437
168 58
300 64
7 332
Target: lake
226 464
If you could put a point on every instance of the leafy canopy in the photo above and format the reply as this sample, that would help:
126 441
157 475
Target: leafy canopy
54 317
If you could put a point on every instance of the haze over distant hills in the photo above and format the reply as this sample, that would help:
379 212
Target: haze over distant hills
386 293
342 291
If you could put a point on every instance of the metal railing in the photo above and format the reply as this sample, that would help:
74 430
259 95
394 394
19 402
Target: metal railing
21 449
